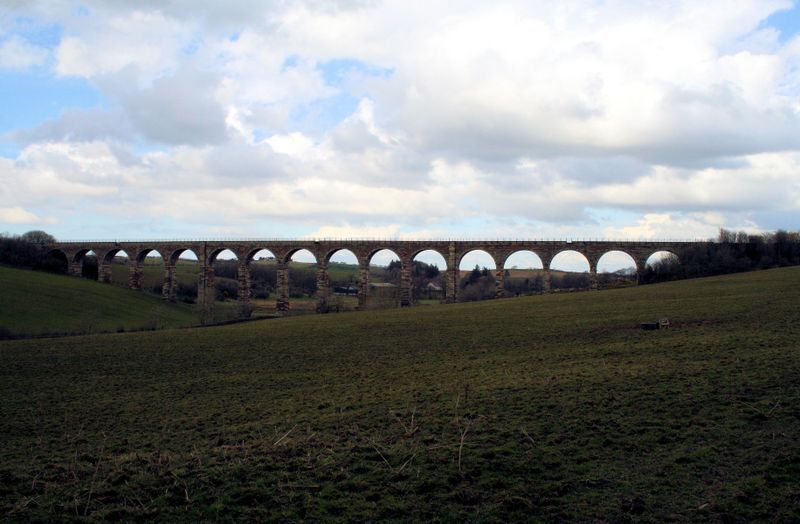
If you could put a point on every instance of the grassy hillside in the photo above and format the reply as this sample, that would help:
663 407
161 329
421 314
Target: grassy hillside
552 407
35 303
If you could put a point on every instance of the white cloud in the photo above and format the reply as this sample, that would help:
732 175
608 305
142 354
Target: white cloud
655 226
350 231
293 144
180 108
108 41
242 185
19 54
496 83
79 125
259 69
491 81
17 215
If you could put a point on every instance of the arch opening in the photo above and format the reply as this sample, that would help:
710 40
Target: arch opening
89 265
302 266
56 261
661 266
116 267
222 255
385 274
182 278
569 271
616 269
225 266
428 277
117 256
476 276
186 254
147 272
263 271
343 280
662 257
343 257
523 274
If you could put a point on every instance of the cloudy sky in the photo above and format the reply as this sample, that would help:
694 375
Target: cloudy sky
407 119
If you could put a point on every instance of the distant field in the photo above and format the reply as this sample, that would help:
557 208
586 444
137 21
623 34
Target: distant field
36 303
553 407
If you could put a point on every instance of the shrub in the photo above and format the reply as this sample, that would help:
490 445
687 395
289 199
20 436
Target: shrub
226 289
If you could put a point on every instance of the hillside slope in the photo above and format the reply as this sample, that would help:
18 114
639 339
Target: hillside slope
552 407
36 303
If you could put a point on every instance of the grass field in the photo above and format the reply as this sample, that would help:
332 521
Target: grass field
553 407
37 303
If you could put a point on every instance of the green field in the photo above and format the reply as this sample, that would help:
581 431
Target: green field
37 303
553 407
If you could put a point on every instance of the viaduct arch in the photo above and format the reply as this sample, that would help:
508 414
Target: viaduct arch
244 250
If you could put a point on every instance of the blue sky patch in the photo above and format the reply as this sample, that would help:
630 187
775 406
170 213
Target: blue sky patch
289 62
47 36
38 96
336 71
194 45
324 114
786 21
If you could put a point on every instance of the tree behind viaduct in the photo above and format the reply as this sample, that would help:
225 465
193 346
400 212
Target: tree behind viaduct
452 251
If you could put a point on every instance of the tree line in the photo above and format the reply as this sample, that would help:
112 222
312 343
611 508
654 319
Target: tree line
479 283
28 251
732 252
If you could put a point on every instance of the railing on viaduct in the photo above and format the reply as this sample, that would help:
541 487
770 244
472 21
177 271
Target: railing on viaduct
323 250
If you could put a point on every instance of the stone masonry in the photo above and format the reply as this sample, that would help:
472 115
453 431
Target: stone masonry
452 251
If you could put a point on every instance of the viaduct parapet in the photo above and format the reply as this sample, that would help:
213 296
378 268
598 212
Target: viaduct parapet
406 250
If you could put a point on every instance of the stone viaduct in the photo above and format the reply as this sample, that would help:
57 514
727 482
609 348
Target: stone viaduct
323 250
